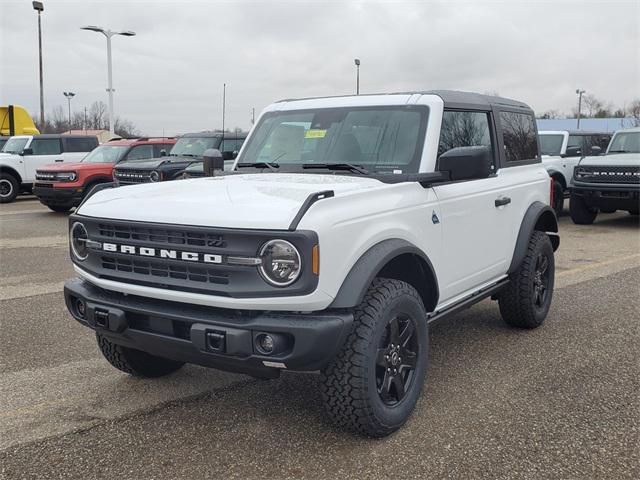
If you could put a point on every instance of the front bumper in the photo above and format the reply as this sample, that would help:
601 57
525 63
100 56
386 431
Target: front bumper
212 337
48 195
608 196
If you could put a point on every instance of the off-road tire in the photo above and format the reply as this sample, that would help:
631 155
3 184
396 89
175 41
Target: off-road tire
59 208
558 198
517 300
581 214
349 383
135 362
9 186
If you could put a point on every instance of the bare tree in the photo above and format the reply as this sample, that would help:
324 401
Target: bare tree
634 112
591 105
551 114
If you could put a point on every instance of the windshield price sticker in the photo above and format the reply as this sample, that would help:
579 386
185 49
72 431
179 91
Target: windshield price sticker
315 133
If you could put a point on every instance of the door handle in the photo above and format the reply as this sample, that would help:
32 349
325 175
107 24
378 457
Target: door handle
502 201
59 160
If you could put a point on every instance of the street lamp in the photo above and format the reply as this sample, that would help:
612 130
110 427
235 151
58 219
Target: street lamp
579 92
69 96
109 34
39 7
357 62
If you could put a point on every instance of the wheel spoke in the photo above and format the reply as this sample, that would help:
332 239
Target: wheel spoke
394 333
408 360
398 384
407 333
544 264
385 388
380 358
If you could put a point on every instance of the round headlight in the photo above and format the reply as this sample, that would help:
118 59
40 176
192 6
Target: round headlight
154 176
281 263
79 237
72 177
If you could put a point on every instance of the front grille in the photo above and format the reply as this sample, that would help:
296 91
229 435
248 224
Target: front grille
608 174
165 269
166 236
45 176
132 176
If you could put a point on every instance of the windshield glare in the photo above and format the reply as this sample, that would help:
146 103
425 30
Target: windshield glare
378 138
628 142
551 144
106 154
194 146
14 145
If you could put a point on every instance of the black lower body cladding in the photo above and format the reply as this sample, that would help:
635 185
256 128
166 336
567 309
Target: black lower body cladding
606 198
219 338
50 196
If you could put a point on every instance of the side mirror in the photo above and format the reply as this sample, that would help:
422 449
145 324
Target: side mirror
466 163
234 154
573 152
595 150
27 151
212 160
163 153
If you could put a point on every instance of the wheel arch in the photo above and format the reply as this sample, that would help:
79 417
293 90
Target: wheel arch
393 258
559 176
538 217
13 172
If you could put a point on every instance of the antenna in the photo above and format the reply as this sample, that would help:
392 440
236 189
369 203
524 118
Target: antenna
224 104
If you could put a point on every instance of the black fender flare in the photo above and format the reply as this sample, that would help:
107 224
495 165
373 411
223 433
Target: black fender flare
359 278
556 173
537 217
13 172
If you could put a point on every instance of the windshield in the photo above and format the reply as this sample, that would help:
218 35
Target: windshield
551 144
106 154
194 146
380 139
15 145
628 142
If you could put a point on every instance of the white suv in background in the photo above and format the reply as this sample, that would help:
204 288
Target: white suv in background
22 155
562 150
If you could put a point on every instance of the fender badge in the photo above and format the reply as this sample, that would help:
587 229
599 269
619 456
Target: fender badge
434 218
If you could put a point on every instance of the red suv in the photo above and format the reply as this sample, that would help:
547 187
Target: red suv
62 186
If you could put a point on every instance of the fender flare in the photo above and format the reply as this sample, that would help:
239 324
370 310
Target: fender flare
356 283
553 173
13 172
537 217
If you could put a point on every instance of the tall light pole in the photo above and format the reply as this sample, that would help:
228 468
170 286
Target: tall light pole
109 34
579 92
39 7
69 96
357 62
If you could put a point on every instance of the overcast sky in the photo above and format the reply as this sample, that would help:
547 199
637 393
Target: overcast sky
169 77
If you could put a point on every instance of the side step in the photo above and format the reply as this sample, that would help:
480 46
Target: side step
467 302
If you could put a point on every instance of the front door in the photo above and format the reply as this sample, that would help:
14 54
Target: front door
44 152
475 213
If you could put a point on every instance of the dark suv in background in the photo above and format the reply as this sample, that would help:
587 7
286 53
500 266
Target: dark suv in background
188 150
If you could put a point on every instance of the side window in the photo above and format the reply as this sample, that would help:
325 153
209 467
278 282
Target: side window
229 146
575 145
519 136
162 146
46 146
80 144
464 129
140 152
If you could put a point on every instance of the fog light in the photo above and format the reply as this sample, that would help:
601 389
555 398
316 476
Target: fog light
266 343
81 308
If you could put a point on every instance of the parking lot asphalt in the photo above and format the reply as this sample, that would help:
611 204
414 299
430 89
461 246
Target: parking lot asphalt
562 401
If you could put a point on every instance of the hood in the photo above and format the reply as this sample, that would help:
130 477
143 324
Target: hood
65 167
154 162
613 159
256 201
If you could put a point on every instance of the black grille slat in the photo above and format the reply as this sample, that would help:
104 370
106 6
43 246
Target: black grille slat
133 176
162 236
158 269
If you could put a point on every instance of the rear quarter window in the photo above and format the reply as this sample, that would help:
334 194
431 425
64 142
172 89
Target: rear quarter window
80 144
519 137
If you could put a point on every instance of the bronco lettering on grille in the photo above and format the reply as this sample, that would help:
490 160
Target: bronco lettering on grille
162 253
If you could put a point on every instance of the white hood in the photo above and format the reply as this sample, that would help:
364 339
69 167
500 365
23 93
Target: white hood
613 159
256 201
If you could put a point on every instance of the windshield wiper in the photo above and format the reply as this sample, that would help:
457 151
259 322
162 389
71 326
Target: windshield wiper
270 165
620 151
337 166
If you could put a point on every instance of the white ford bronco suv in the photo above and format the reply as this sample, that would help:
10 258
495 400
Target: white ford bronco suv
561 151
610 182
348 224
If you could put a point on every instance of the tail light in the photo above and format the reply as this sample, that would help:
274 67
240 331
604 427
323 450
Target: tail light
551 191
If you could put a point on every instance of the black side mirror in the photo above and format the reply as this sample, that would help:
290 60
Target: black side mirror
573 152
212 160
163 153
466 163
595 150
27 151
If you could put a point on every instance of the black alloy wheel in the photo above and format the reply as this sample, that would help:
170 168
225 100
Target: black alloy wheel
541 281
396 359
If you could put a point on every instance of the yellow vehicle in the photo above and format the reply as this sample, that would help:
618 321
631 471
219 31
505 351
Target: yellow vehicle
15 120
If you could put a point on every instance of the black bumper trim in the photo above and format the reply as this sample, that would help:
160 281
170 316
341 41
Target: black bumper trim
58 196
180 331
618 197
